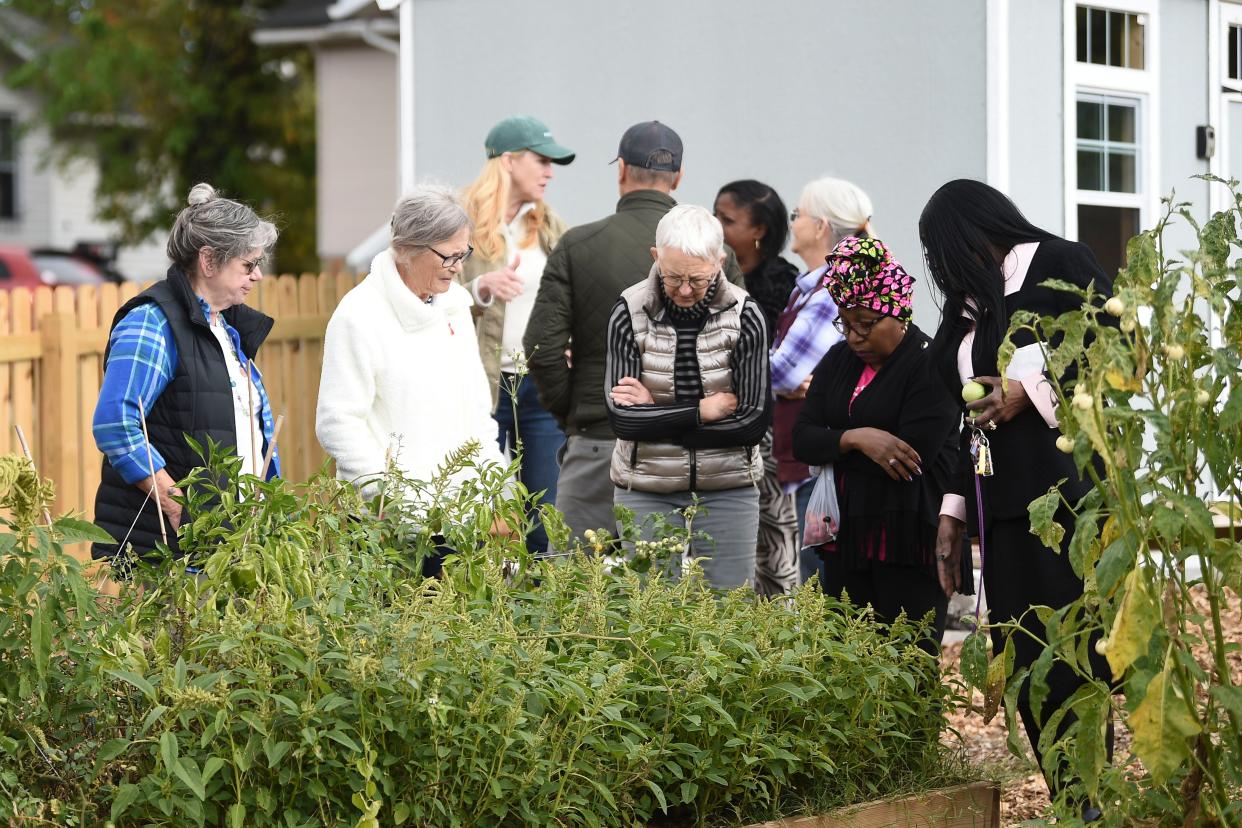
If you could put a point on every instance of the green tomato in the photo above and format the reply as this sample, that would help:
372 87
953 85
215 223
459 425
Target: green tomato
972 391
1101 646
1115 306
244 578
1065 444
1202 397
1083 401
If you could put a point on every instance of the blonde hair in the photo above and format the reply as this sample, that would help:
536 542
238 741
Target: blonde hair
486 200
844 206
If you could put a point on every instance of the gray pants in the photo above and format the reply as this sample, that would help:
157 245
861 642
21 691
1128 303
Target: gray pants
584 489
730 519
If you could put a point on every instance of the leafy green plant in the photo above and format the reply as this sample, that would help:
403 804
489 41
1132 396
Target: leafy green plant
1158 400
333 685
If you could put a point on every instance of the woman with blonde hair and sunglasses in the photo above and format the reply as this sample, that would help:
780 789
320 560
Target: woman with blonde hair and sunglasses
514 231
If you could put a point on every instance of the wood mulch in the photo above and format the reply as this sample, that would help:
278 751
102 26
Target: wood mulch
1024 796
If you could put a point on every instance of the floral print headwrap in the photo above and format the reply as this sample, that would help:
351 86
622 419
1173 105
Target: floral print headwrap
862 273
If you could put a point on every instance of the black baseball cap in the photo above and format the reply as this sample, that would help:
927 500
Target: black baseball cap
642 141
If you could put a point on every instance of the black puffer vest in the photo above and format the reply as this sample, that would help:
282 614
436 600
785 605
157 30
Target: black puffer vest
197 402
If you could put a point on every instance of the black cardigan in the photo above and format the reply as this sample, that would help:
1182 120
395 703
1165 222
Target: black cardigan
907 400
1024 453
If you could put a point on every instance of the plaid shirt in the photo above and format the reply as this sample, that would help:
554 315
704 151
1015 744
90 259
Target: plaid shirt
795 355
141 363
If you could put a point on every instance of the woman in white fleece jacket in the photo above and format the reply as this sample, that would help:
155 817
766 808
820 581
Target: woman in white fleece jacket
401 367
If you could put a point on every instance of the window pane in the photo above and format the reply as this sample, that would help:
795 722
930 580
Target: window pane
1090 169
1116 39
1106 230
1122 172
1137 32
6 140
1233 53
1098 45
1082 34
1091 120
1121 123
7 200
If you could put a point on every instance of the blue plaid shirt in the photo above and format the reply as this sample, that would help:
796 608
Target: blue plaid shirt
812 335
141 363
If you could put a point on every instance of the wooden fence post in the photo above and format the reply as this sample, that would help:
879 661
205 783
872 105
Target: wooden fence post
58 422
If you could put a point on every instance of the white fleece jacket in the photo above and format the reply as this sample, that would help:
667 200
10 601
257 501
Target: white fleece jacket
403 374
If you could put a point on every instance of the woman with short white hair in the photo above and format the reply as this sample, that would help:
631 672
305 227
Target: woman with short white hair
401 371
686 387
828 210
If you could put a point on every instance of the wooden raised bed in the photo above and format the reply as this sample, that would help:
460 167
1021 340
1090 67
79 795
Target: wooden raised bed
976 805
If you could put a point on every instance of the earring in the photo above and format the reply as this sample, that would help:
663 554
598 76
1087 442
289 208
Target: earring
756 244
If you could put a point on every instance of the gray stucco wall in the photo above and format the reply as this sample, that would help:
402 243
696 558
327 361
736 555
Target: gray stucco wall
887 93
1036 122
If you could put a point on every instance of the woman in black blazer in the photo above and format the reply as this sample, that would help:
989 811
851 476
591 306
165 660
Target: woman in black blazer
876 412
988 262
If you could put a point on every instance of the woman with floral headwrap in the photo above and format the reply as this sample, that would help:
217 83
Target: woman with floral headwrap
888 426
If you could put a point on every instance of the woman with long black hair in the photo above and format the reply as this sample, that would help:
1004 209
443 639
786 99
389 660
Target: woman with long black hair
988 262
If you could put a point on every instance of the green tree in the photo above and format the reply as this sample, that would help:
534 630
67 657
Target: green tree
165 93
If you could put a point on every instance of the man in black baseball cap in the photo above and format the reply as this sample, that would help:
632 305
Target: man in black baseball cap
585 274
652 146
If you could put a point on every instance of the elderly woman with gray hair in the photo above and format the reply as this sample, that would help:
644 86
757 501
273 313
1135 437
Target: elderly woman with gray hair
402 377
687 391
181 355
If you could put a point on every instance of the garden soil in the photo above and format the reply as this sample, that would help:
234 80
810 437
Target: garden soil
1024 796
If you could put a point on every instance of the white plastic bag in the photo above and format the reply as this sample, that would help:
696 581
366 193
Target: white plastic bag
823 514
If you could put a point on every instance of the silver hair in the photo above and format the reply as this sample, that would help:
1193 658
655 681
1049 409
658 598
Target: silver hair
692 230
426 217
228 228
844 206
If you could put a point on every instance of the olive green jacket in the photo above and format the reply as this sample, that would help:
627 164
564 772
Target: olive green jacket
489 320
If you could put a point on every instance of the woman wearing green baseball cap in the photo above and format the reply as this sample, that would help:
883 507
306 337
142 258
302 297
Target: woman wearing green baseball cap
514 231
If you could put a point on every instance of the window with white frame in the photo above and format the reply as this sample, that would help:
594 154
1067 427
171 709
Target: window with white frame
8 167
1112 101
1108 143
1109 37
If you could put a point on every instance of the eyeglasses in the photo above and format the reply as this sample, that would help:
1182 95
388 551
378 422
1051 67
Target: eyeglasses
695 282
793 215
249 266
861 331
451 261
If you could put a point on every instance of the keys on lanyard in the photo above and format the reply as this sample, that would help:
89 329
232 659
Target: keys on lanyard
981 452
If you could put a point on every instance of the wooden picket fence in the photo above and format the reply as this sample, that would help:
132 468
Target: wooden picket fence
51 365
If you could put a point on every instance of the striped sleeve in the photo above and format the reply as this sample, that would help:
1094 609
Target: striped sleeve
638 422
751 383
141 356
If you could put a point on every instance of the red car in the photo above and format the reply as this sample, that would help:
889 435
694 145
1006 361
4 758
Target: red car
20 267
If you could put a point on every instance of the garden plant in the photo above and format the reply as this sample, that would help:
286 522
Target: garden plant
1158 400
309 675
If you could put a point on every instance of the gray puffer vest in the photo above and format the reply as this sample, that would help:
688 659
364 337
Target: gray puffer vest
664 468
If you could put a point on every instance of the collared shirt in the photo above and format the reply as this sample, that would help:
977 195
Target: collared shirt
811 335
142 359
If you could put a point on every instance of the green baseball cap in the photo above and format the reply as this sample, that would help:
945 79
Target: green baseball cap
525 133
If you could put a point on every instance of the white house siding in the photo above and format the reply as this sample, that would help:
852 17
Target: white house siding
1036 161
1184 91
72 188
33 221
55 202
357 149
887 93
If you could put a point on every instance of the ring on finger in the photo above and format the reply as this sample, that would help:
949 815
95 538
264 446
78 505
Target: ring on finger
892 461
992 425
